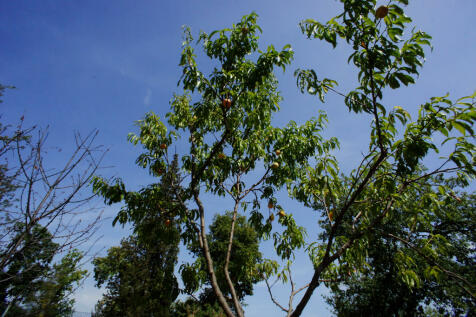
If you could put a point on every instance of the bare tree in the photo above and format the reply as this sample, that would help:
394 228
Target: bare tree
55 197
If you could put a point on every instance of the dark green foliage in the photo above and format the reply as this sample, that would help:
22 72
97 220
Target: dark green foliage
31 285
139 277
194 308
243 259
37 251
53 296
378 292
139 274
380 289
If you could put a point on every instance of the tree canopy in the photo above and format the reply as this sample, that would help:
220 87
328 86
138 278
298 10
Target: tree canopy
244 258
236 154
139 274
139 279
34 285
379 287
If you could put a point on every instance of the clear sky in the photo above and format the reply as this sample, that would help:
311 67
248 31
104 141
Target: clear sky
81 65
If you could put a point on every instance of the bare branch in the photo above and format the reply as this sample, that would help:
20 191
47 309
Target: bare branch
272 297
236 301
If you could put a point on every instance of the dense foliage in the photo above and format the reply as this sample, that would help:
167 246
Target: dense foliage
243 260
139 279
379 288
33 285
139 274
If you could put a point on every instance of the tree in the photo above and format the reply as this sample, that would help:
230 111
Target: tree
54 198
40 219
236 153
242 264
194 308
379 288
399 146
33 285
53 295
139 274
243 258
139 279
238 80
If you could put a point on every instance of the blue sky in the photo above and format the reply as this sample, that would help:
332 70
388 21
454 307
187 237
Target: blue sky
81 65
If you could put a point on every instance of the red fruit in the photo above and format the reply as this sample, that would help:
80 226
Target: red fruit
226 103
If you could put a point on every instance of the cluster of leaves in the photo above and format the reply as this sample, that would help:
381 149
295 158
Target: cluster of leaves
406 264
32 285
196 308
243 259
139 274
230 133
139 278
364 203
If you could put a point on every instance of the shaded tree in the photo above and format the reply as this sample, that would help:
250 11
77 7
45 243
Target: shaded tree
379 287
192 307
53 297
139 279
139 274
35 286
244 258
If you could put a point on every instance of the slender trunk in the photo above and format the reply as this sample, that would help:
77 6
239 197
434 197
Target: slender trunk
209 261
236 302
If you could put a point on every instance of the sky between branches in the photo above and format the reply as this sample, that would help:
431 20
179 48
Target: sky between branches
81 65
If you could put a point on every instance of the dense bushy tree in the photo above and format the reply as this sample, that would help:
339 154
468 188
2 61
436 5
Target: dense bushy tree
243 258
242 263
139 274
195 308
53 297
34 285
379 289
139 278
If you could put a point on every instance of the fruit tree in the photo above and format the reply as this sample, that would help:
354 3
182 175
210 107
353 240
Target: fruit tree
237 154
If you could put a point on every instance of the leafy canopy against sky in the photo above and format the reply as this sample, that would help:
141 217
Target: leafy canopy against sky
102 64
